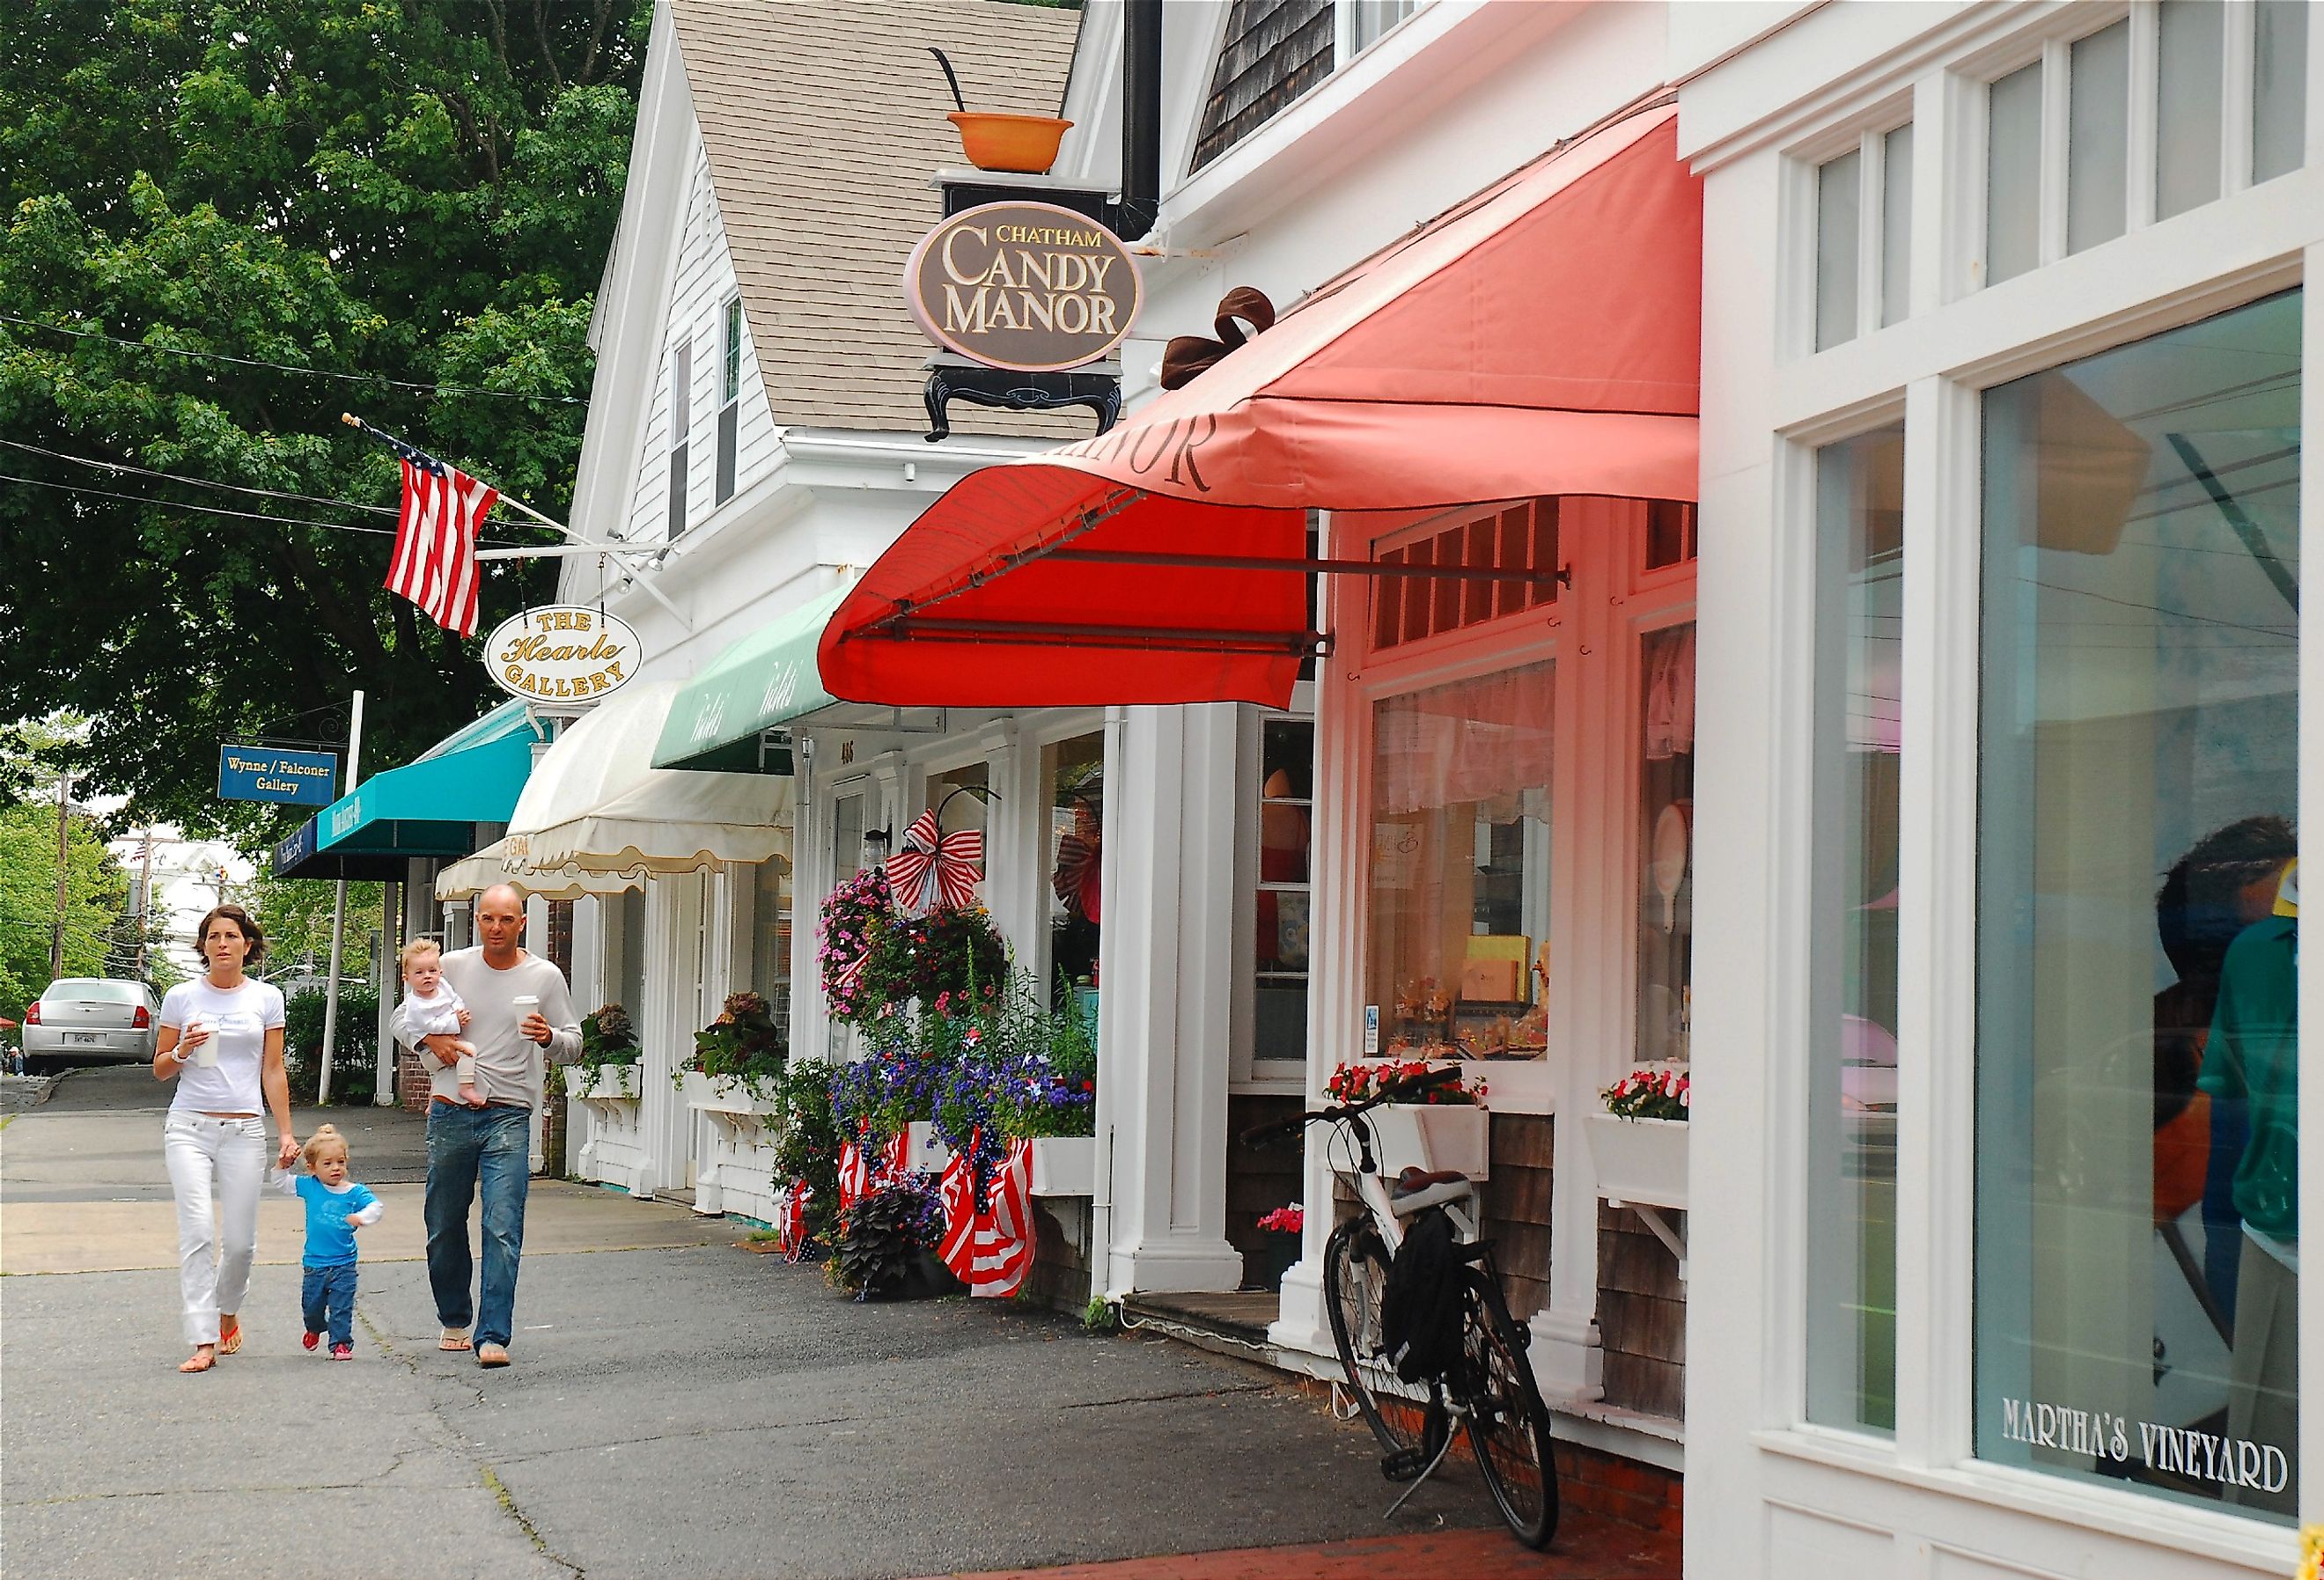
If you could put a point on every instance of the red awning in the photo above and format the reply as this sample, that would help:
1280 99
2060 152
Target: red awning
1541 338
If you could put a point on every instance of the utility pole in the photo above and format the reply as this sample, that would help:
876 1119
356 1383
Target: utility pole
338 921
145 899
57 933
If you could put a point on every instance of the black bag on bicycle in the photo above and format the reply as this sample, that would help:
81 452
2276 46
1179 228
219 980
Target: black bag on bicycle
1420 1304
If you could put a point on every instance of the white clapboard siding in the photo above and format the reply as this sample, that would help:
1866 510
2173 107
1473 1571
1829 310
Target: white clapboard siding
703 284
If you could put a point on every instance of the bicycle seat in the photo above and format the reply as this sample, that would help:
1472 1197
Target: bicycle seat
1417 1189
1409 1180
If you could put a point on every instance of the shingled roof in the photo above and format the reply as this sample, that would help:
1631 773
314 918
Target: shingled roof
823 123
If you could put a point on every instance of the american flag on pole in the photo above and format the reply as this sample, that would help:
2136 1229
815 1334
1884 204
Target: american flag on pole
435 563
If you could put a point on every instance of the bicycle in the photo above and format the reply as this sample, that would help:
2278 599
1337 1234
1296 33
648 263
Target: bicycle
1489 1391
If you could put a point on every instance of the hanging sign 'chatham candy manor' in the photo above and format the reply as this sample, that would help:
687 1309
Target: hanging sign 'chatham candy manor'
1027 286
562 652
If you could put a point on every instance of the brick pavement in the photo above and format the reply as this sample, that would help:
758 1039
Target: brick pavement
1587 1547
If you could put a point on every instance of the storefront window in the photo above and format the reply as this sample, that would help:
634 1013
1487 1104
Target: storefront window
1666 845
629 974
1458 949
1851 1241
2137 1239
846 837
1075 772
1286 822
770 938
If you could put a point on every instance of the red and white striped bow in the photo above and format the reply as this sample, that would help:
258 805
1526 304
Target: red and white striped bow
935 869
1079 865
988 1244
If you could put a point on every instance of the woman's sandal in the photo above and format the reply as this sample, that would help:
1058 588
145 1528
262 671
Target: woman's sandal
230 1340
199 1361
454 1338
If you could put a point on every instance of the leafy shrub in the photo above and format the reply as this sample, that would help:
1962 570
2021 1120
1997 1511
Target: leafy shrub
884 1239
355 1071
809 1148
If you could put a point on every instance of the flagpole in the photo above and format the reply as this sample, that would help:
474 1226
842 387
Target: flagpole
518 505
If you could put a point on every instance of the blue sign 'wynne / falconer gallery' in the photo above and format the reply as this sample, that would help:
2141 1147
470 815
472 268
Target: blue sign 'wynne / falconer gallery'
266 773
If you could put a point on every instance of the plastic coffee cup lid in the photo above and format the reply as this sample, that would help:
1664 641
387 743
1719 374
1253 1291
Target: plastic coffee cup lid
527 1000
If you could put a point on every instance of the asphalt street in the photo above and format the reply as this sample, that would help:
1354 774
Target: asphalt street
678 1406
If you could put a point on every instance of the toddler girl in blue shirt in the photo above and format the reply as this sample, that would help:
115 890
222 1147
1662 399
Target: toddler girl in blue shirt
335 1208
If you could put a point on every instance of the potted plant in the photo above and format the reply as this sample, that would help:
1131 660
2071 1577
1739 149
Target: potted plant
996 141
1638 1144
1446 1128
886 1245
736 1060
608 1069
1264 1268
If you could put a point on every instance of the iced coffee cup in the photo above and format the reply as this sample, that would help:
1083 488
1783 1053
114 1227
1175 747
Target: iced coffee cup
206 1052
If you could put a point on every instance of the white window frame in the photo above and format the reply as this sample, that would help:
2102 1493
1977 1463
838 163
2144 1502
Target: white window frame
1250 1074
1935 368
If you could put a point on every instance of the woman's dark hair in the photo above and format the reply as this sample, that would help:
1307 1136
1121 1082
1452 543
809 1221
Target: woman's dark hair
241 920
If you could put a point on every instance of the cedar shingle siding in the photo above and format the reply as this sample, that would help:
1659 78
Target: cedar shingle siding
1274 52
822 123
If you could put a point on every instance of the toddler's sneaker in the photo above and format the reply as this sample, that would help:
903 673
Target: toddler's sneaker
311 1340
343 1352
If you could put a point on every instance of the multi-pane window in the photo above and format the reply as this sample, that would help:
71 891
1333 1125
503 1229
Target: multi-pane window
730 395
1073 771
1864 237
1670 533
1666 866
681 425
1851 1242
2149 132
1287 823
1521 537
2137 1237
770 938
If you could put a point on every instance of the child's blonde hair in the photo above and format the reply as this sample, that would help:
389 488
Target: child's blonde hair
414 949
324 1138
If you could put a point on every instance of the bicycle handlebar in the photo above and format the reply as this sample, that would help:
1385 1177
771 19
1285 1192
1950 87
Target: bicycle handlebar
1390 1092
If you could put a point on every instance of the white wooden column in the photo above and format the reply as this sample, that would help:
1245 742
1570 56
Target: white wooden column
1164 1005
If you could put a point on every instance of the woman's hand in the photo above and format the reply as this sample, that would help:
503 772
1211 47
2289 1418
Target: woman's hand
194 1036
288 1152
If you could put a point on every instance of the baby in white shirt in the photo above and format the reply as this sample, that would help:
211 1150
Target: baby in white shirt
431 1008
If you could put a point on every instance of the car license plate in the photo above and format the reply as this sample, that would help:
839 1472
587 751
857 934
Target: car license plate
85 1038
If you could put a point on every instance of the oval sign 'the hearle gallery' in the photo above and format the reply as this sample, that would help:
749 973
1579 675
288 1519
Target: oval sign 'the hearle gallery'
562 652
1027 286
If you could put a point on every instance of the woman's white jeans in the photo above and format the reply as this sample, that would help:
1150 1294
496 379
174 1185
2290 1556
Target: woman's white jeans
214 1163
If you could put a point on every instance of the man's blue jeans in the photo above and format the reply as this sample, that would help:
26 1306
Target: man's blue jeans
328 1296
467 1146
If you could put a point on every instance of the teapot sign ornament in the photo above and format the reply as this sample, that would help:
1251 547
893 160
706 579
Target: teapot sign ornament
562 652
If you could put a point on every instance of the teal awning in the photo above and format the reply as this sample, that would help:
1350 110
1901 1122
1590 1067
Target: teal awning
719 719
431 806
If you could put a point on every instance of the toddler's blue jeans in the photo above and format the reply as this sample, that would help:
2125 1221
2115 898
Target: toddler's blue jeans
328 1294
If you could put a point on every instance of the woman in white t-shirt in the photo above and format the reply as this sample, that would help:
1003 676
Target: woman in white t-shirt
221 1043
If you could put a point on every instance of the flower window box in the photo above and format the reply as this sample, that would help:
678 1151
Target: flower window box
1064 1166
727 1094
605 1082
1434 1136
1640 1162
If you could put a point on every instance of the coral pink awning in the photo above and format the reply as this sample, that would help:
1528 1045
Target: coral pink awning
1541 338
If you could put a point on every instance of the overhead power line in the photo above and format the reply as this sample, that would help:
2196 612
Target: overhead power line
221 511
316 373
105 465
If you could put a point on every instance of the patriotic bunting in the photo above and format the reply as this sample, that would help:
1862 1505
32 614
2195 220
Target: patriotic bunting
934 869
790 1219
854 1170
988 1243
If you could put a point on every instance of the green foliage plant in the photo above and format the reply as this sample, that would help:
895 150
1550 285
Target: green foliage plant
354 1064
808 1148
610 1041
742 1046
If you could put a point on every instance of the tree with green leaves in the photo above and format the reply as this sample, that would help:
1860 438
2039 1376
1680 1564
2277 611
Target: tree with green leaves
205 207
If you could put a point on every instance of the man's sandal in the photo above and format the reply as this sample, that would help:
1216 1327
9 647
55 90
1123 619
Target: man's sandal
230 1340
491 1354
454 1338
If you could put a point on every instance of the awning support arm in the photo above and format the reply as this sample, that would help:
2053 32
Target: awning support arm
1562 578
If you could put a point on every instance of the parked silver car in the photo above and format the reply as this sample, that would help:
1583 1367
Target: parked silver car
87 1019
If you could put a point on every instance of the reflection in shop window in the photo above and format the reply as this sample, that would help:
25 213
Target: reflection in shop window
2138 1238
1851 1242
1286 812
771 939
1666 845
1075 772
1458 951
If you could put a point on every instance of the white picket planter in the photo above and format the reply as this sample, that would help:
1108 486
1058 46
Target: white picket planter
1064 1166
734 1166
613 1150
1640 1162
1434 1136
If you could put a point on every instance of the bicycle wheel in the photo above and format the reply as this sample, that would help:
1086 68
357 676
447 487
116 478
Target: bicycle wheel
1402 1415
1508 1425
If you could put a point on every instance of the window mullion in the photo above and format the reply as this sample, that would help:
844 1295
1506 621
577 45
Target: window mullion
2056 108
1937 927
2241 29
2145 119
1872 168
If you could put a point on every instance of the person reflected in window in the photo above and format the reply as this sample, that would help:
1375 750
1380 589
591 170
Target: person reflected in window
2225 882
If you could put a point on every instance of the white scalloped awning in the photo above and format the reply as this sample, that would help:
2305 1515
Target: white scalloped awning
471 875
594 806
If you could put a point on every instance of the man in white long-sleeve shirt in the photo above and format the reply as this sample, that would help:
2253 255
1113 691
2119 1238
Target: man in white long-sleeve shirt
519 1018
